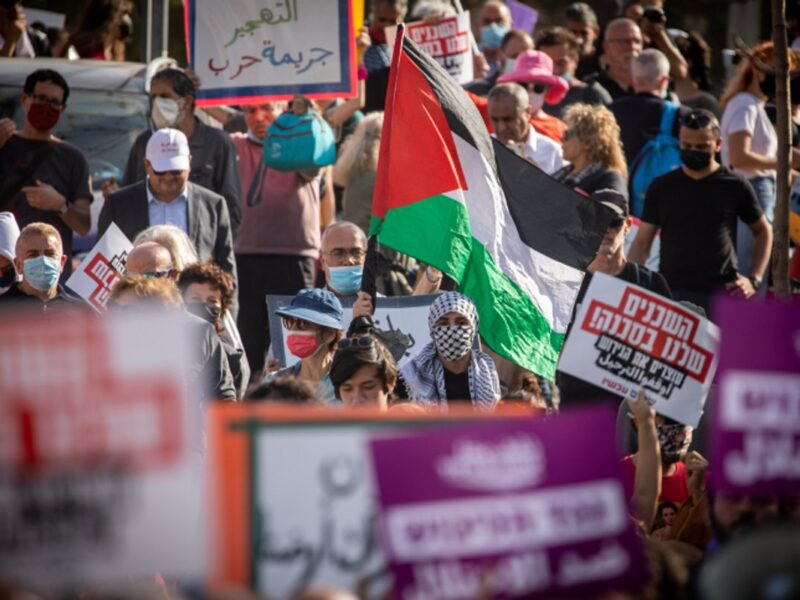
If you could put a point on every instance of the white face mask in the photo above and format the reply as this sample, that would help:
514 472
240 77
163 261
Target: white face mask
165 112
536 101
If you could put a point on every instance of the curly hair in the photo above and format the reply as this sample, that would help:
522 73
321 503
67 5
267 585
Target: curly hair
597 130
212 275
160 290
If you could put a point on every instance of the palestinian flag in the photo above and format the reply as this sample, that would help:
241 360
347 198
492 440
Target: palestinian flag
516 241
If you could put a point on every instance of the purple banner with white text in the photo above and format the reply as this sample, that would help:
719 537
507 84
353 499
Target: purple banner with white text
756 416
530 509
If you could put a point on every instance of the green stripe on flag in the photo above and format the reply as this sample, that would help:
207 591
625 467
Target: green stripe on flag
436 231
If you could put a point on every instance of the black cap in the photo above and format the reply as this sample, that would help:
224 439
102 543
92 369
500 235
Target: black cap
613 200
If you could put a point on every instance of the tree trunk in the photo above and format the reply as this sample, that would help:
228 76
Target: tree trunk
780 245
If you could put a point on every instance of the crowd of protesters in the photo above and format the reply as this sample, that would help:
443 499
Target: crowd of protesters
215 231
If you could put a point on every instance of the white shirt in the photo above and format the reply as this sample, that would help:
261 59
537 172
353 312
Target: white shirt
541 150
745 112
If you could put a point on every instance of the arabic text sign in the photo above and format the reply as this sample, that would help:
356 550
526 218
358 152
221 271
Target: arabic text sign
448 42
94 417
409 314
625 338
756 415
252 50
512 509
98 273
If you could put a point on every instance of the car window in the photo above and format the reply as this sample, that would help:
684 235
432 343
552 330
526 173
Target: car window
102 124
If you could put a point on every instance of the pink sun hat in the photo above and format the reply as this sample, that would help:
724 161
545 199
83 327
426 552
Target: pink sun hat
533 66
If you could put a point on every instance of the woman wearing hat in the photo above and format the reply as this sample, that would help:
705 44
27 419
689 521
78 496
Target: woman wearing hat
314 325
449 369
534 71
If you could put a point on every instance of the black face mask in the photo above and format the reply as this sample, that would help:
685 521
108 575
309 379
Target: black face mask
696 160
207 312
768 85
7 278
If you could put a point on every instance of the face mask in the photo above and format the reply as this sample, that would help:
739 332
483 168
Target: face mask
7 280
492 35
794 90
302 343
43 117
768 85
41 272
536 101
377 34
674 439
207 312
165 112
346 280
510 64
696 160
566 77
453 341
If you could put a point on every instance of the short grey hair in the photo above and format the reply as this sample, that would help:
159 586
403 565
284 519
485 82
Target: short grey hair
174 239
357 231
510 90
649 68
432 8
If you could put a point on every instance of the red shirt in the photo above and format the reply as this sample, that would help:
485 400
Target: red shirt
674 488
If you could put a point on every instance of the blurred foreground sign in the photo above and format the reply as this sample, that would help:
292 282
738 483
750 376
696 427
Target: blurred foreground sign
504 510
96 482
756 415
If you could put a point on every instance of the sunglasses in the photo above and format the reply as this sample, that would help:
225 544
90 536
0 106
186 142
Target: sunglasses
360 341
295 324
157 274
173 173
696 121
539 88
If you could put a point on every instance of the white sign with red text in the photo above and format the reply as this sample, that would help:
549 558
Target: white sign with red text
99 272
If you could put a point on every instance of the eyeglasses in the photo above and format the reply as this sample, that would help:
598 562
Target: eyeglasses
163 173
539 88
342 253
157 274
41 99
627 41
359 341
696 120
295 324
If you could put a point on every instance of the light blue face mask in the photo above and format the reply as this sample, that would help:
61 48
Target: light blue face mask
41 272
492 35
346 280
510 64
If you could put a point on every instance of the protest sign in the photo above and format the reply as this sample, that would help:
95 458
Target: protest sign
448 42
248 51
98 273
755 437
408 314
498 510
522 16
97 485
625 338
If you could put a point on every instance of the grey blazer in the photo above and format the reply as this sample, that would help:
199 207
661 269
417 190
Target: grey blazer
207 216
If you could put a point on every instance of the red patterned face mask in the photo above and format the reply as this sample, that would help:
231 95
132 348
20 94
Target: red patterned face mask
43 117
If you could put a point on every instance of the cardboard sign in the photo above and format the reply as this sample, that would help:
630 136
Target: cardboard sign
529 509
98 273
625 338
755 437
522 16
409 314
248 51
97 484
448 42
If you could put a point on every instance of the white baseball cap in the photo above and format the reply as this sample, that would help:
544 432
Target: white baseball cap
168 150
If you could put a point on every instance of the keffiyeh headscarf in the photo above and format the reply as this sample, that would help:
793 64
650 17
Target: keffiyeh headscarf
424 374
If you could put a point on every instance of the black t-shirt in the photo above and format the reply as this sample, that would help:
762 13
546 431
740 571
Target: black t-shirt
65 168
697 218
614 89
572 389
457 386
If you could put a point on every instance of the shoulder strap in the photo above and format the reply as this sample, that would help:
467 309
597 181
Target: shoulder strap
8 192
668 118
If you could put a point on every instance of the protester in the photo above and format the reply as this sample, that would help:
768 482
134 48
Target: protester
280 235
39 259
581 21
510 114
47 179
649 15
449 370
622 42
102 33
665 515
514 43
314 324
494 20
564 50
383 14
16 37
694 90
172 96
646 480
283 390
533 70
139 290
363 372
174 239
9 234
593 149
167 197
151 260
695 208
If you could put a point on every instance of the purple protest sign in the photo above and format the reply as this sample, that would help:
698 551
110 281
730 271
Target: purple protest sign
756 416
522 16
523 509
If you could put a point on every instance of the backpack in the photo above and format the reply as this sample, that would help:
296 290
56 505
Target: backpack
299 143
660 155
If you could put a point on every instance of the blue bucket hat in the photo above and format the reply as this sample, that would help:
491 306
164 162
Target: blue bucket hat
316 306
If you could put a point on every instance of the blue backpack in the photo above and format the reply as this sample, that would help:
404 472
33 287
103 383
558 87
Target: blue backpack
299 143
660 155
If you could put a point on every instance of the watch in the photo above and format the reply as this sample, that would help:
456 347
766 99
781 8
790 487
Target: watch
755 281
64 208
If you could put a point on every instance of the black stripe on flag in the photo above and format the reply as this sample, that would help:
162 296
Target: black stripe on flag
551 218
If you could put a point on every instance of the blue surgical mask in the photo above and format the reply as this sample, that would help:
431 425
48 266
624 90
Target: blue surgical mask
492 35
346 280
41 272
510 64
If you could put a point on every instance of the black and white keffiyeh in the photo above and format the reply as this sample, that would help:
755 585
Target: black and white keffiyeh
424 374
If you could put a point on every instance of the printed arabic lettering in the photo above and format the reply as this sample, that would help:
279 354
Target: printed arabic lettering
266 17
324 54
216 70
252 60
